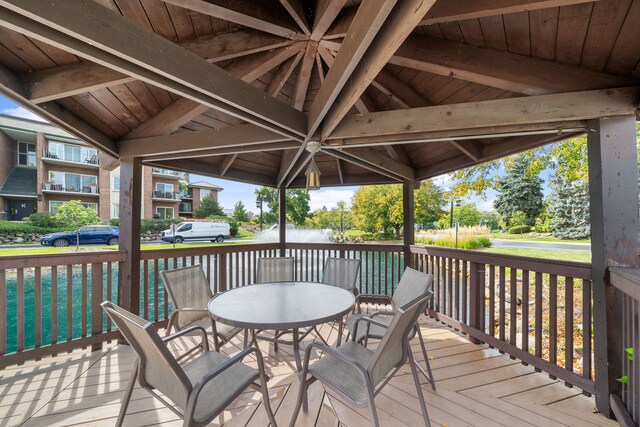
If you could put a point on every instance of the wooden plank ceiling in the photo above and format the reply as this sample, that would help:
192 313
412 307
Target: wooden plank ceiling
394 90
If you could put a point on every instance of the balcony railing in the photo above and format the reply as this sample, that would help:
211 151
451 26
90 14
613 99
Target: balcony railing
86 156
167 195
520 306
87 189
169 172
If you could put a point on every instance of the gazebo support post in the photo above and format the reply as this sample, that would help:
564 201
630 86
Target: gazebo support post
282 218
613 188
129 239
408 209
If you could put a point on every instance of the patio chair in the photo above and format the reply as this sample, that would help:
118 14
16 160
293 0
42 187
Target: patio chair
276 269
412 283
342 273
200 389
189 293
358 374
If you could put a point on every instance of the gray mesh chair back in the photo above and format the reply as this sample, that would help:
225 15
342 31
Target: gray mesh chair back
392 350
157 367
341 272
412 284
278 269
187 287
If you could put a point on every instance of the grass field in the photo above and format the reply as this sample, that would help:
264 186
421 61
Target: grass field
530 237
563 255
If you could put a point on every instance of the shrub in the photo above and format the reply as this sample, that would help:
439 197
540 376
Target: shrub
23 227
519 229
157 225
73 214
42 219
463 242
115 222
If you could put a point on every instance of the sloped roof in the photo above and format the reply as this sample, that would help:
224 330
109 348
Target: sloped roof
20 182
204 184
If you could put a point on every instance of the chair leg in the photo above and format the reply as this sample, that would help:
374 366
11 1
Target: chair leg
340 330
428 373
265 399
127 396
416 380
372 408
246 338
302 392
315 329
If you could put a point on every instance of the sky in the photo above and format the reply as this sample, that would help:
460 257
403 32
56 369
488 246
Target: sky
236 191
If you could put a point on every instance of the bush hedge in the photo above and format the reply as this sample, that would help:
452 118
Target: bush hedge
519 229
463 242
7 227
151 225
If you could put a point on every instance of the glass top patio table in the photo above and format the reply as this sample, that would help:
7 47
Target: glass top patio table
281 306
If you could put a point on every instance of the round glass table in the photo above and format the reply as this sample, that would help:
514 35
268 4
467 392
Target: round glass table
282 306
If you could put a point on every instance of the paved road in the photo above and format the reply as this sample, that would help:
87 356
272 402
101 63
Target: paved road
540 245
151 242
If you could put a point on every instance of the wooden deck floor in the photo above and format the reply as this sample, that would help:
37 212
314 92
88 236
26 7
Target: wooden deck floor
476 385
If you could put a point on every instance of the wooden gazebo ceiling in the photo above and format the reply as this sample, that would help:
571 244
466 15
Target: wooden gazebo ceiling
394 90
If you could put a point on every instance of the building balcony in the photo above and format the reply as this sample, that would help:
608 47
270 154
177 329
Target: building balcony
186 196
86 160
165 173
51 188
166 196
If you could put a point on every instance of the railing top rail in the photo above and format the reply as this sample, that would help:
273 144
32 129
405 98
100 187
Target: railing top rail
66 258
388 247
578 270
627 280
205 250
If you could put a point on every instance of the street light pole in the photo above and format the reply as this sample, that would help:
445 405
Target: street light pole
259 206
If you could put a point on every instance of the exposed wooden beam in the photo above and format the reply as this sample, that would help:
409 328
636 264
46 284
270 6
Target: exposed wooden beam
11 87
226 151
227 162
252 14
472 149
296 10
395 30
287 161
283 73
343 155
233 136
73 79
304 76
383 162
368 21
211 170
106 37
184 110
524 111
360 179
298 166
339 169
326 12
320 68
459 10
503 70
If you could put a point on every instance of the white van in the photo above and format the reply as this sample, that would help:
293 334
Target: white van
214 231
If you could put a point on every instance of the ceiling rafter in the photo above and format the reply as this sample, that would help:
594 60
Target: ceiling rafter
283 73
304 75
227 162
460 10
73 79
350 158
209 169
103 36
397 27
227 151
184 110
252 14
326 12
296 10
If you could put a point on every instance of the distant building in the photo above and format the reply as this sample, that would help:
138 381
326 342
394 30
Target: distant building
43 167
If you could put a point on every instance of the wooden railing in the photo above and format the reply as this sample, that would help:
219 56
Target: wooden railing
522 306
626 404
51 303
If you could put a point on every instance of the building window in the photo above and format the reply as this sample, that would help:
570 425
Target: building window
164 213
164 188
186 207
204 193
55 206
116 183
72 153
26 154
115 210
64 181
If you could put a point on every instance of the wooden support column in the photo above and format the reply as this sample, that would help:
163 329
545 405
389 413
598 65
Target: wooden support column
613 187
282 218
408 208
129 240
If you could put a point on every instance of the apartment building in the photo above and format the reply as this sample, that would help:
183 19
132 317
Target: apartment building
43 167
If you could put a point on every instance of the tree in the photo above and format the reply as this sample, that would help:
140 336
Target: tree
208 206
519 190
490 219
338 218
429 202
240 214
297 203
378 207
569 208
73 215
466 215
518 218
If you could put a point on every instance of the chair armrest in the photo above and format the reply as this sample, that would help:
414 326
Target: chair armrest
333 352
369 322
381 313
379 297
175 315
186 331
223 367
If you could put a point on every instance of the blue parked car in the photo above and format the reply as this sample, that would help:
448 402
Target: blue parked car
88 234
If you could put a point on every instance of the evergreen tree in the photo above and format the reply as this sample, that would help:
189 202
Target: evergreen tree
209 206
569 207
519 190
240 214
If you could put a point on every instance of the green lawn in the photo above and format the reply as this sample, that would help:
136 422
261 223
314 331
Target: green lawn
532 238
560 254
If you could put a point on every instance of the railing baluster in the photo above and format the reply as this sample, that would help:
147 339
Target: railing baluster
37 313
450 285
455 287
156 299
3 309
492 300
83 311
513 305
503 302
586 328
20 308
69 302
465 293
54 305
568 323
525 311
538 315
553 318
145 288
96 299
